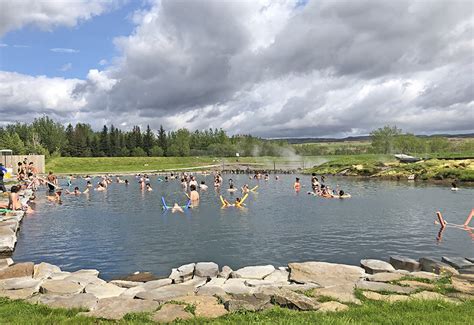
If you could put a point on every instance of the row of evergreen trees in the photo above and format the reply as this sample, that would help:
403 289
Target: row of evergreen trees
46 136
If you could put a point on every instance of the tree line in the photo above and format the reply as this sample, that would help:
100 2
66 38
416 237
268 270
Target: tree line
51 138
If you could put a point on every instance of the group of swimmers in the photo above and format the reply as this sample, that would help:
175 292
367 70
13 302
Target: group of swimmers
320 189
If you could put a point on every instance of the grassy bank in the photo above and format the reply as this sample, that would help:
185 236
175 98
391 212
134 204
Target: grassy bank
371 312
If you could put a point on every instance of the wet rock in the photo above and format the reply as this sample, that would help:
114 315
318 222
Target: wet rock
432 265
226 272
253 272
17 271
332 306
342 293
293 300
61 287
82 300
206 269
385 277
44 270
456 262
19 283
166 293
324 274
404 263
171 312
376 266
106 290
463 284
383 287
470 259
237 286
140 277
126 284
254 302
205 306
418 285
387 298
117 307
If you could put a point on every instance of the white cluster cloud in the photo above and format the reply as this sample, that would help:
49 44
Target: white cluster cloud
48 14
279 68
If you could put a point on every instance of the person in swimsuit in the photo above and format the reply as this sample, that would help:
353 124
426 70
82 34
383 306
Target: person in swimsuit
3 171
52 181
194 195
148 187
176 208
297 185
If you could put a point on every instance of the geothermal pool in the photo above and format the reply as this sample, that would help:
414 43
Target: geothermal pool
125 230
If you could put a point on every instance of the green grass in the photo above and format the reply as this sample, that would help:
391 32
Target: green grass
371 312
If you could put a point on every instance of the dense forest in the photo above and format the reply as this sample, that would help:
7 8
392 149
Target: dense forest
48 137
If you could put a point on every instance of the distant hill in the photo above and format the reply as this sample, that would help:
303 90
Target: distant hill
364 138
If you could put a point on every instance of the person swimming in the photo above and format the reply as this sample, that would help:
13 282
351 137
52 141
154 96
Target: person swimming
54 197
193 195
203 186
176 208
245 189
148 187
231 188
100 187
76 191
297 185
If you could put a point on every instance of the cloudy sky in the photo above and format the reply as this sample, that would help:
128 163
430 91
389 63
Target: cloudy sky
280 68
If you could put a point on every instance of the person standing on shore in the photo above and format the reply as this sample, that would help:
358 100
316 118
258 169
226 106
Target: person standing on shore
3 171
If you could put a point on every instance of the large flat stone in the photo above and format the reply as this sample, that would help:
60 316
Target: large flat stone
293 300
332 306
117 307
132 292
385 277
18 294
213 287
467 270
418 285
456 262
17 271
429 264
237 286
253 272
61 287
155 284
82 300
342 293
254 302
206 269
19 283
462 284
106 290
167 293
44 270
425 275
372 266
84 278
195 282
387 298
278 276
171 312
404 263
325 274
383 287
126 284
429 295
205 306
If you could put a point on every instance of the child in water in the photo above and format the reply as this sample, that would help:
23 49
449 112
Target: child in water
297 185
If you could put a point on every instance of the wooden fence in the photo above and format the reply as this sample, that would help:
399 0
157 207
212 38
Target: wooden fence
11 161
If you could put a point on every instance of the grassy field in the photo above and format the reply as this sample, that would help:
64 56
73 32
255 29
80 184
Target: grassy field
371 312
373 165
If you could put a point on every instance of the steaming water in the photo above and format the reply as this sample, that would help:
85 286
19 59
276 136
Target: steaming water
124 229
